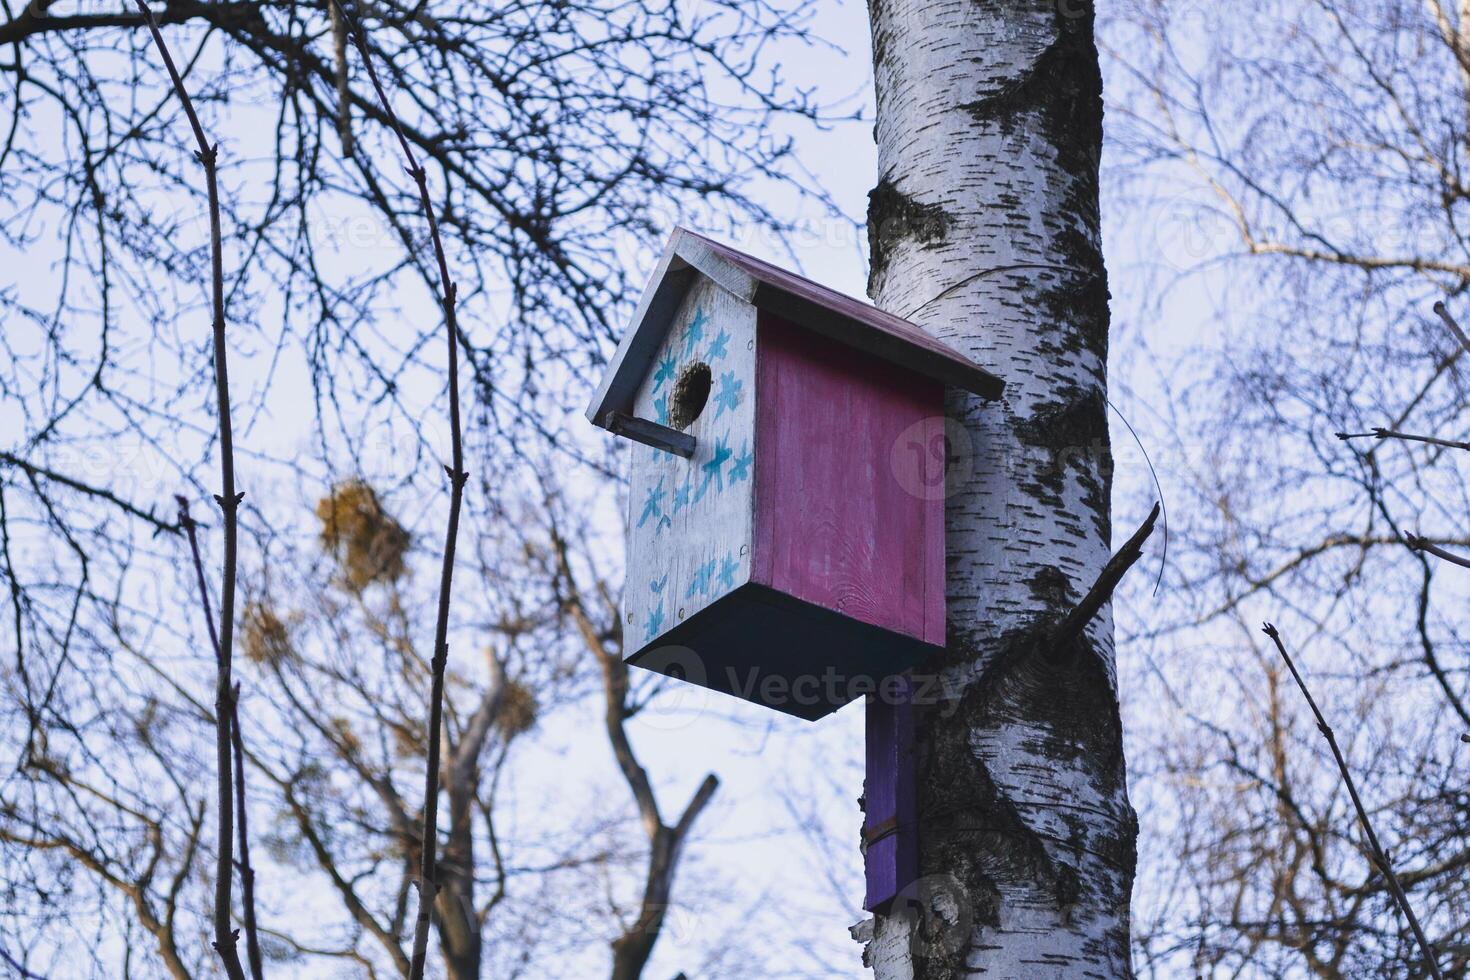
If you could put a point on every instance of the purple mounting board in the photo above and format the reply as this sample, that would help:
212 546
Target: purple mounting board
891 859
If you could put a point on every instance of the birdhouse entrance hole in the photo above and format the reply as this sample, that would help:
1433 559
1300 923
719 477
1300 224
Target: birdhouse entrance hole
691 391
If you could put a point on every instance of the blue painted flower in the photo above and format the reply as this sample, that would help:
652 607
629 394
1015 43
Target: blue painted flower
653 504
657 585
695 333
729 394
713 470
728 567
699 583
661 406
740 469
681 495
655 621
717 348
664 373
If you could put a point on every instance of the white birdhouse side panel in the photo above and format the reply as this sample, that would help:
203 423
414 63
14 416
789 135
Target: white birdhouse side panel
691 519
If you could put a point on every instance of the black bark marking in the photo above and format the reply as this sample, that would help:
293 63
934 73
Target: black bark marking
1060 705
976 831
894 216
1058 101
1069 115
1071 431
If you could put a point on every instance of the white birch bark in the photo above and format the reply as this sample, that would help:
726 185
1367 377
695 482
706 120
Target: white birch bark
984 230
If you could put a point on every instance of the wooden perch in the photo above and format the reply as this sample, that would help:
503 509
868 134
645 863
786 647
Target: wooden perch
651 434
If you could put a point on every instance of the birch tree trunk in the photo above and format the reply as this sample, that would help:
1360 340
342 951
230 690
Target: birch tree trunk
984 229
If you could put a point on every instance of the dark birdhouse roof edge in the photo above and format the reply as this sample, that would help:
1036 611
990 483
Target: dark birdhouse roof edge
794 298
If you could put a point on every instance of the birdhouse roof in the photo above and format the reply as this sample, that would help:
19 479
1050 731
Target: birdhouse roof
793 298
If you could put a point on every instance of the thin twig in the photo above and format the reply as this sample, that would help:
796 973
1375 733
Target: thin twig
1417 543
1381 433
428 885
229 501
159 526
1380 858
247 871
191 531
1454 328
1102 589
20 971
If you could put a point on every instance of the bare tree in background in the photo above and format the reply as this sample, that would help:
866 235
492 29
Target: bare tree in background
553 133
222 642
592 607
561 137
1303 165
329 639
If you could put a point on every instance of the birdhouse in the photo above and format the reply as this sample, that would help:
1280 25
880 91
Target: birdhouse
786 504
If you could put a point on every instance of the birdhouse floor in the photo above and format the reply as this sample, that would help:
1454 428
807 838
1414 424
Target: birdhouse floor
768 648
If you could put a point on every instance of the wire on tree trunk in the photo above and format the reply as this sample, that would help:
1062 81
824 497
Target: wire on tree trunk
229 502
1070 629
457 478
1380 858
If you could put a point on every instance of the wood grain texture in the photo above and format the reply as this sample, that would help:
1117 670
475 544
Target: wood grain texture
651 322
689 520
835 524
651 434
792 474
838 317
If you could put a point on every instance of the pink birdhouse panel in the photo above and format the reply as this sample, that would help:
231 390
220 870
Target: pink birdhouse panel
845 519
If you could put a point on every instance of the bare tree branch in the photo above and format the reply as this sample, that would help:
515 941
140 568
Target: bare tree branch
1420 544
428 884
229 501
1380 858
1107 580
1454 327
101 493
632 949
472 739
247 871
1381 433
